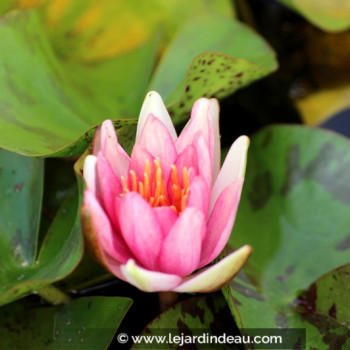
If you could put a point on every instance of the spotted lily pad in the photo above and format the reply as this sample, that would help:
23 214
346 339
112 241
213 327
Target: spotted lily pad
194 316
200 64
329 295
294 212
84 323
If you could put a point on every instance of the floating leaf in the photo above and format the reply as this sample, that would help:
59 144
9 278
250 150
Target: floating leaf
84 323
294 212
46 104
328 15
89 31
330 294
198 63
322 105
25 267
194 316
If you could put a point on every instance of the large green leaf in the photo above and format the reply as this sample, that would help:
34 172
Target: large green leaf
194 316
25 267
85 323
47 103
329 15
199 63
295 213
329 295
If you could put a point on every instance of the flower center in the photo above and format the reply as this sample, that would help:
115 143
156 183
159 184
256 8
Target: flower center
154 190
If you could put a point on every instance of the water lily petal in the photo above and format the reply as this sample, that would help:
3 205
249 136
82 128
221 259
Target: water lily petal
198 122
233 168
149 281
90 172
138 159
216 276
156 139
203 158
199 195
108 186
214 110
140 228
154 104
187 158
220 222
101 234
107 143
166 218
114 267
181 248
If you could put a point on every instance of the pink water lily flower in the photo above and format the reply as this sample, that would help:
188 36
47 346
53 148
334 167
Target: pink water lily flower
157 218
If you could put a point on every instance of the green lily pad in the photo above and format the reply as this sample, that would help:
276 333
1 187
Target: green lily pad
46 103
200 64
84 323
328 15
329 295
24 265
294 212
195 316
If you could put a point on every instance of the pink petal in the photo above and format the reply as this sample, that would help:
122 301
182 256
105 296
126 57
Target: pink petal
198 122
203 158
214 116
232 169
221 221
109 138
199 196
188 159
114 267
109 241
154 104
216 276
89 172
108 186
140 228
149 281
138 160
155 138
166 218
182 246
107 143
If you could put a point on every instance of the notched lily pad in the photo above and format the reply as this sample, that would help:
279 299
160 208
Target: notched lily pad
293 212
216 75
199 63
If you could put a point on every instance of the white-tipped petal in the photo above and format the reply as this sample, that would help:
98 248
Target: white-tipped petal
214 277
214 111
153 104
89 172
149 281
232 169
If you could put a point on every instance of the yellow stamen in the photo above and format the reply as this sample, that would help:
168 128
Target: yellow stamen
133 180
124 184
153 187
185 179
